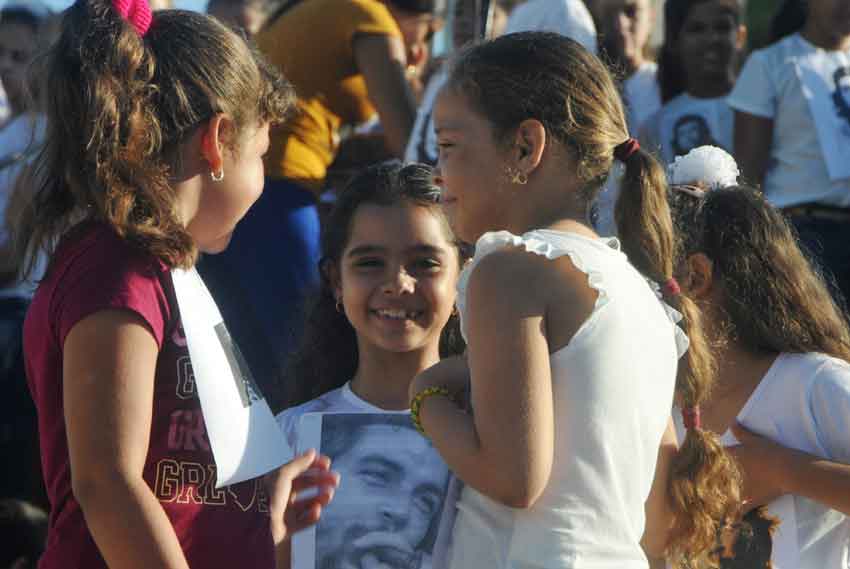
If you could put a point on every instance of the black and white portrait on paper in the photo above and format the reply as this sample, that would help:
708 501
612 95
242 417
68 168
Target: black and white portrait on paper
691 131
386 511
841 96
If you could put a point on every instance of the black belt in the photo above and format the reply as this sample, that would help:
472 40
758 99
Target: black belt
818 211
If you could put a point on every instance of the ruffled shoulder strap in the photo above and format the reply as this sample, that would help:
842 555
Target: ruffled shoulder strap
551 245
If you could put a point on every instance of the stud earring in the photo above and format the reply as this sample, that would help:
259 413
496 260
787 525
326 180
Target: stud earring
339 307
217 177
516 176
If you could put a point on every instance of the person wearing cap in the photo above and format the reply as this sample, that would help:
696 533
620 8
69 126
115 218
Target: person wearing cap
349 61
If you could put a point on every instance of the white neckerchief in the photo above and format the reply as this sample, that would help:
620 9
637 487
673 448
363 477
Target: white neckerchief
828 103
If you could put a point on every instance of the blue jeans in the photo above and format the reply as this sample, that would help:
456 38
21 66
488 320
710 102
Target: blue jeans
828 240
260 282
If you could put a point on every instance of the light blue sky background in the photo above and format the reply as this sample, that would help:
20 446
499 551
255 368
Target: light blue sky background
62 4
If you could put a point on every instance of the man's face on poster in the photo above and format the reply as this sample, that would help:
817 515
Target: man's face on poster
386 503
689 135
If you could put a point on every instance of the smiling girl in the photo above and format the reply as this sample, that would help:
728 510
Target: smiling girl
385 312
697 69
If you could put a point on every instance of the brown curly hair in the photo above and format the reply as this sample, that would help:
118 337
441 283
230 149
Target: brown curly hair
119 107
554 80
775 300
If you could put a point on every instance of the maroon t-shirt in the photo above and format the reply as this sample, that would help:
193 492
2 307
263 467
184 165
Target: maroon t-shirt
94 269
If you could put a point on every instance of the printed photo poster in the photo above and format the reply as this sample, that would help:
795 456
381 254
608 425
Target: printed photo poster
243 434
688 123
386 512
825 80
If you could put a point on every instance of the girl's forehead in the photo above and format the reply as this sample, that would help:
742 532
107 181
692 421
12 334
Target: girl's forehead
454 112
398 227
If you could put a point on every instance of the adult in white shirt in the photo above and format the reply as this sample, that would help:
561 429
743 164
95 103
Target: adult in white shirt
793 131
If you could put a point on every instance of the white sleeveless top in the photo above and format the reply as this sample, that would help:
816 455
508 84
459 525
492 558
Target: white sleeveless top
613 390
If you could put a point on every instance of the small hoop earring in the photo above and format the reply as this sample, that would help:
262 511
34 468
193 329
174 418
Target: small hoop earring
339 307
217 177
516 176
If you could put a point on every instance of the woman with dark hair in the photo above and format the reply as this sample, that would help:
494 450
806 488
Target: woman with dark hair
348 60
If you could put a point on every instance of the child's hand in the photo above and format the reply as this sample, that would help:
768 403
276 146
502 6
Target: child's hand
764 466
308 473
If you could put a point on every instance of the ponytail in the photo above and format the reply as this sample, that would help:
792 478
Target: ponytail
119 107
705 483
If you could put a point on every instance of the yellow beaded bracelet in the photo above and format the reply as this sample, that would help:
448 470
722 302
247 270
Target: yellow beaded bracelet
419 398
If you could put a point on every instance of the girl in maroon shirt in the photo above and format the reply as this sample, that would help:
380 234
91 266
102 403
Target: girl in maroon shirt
156 132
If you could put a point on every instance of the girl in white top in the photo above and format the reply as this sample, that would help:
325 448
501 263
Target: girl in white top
783 390
697 69
572 360
389 269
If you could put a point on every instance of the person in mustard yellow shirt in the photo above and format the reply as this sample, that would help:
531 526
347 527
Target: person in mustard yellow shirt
349 60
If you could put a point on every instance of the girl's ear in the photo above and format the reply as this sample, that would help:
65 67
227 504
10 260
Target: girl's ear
741 41
213 138
529 143
698 283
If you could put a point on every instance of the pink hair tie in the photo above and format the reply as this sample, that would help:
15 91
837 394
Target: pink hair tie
136 12
626 149
672 288
691 418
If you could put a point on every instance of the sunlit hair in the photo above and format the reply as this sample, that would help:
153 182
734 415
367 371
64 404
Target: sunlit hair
773 299
327 354
554 80
119 107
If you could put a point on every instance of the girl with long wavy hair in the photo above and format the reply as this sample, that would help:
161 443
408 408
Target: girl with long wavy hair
782 345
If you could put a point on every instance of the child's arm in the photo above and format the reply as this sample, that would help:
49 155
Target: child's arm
771 470
505 448
289 515
753 141
108 383
659 514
